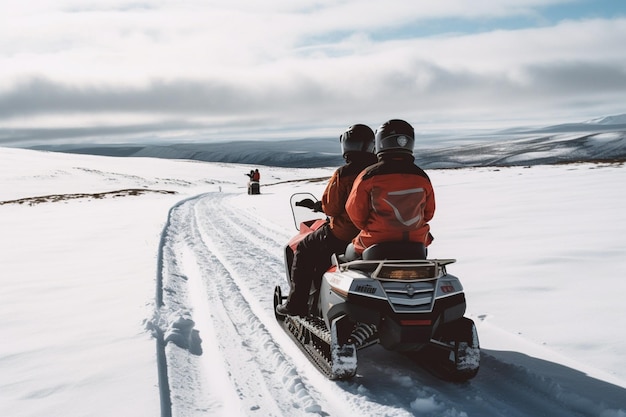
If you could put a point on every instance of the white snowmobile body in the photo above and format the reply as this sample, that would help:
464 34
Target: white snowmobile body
410 305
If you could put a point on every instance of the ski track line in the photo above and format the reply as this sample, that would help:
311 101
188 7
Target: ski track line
190 262
254 223
246 258
253 259
229 334
183 396
239 329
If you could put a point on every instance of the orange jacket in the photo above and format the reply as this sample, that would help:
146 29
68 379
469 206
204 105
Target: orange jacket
336 194
392 200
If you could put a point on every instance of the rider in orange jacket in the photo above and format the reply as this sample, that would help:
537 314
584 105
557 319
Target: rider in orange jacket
392 200
313 254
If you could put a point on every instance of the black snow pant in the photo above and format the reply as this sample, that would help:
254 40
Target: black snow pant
311 259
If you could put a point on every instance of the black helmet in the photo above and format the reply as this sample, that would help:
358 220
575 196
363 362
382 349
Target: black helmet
395 135
358 138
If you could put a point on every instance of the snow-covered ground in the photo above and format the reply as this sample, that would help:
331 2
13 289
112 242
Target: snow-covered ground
541 253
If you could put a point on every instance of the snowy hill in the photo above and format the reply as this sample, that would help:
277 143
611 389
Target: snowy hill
87 242
619 119
603 139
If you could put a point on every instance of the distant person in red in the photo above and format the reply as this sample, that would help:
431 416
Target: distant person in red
312 256
253 184
392 200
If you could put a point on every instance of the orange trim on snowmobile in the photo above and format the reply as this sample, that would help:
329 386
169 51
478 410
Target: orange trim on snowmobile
306 228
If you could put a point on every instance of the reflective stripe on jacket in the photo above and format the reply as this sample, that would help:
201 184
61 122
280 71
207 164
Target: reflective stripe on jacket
392 200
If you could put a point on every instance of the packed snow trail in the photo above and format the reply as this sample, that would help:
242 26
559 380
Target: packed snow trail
219 264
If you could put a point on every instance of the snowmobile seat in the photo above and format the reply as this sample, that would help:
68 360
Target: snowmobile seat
395 250
386 250
349 255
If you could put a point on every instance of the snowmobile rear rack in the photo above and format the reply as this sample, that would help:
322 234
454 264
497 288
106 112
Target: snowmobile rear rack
376 267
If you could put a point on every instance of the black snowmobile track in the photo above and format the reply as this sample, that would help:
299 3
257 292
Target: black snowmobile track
313 339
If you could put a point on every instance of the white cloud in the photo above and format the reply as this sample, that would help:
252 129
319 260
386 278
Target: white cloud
307 63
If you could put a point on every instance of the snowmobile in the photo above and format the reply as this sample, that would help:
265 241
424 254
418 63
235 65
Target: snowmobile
393 296
254 187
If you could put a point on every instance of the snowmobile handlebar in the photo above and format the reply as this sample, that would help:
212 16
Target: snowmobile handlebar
307 202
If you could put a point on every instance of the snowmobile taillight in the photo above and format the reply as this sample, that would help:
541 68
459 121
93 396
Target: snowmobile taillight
416 322
447 289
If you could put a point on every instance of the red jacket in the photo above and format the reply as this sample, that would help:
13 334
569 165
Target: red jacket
392 200
336 194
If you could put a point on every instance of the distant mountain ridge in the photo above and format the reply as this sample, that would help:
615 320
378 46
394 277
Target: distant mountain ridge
619 119
602 139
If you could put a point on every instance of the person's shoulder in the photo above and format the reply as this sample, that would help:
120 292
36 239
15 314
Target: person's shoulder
343 170
421 172
354 169
378 168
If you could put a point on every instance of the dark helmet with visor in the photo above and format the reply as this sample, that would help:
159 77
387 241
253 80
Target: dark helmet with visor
358 138
395 136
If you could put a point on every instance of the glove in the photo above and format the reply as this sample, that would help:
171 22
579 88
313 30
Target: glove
307 202
317 206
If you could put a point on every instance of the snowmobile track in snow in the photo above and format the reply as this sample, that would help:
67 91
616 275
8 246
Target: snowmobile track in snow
222 269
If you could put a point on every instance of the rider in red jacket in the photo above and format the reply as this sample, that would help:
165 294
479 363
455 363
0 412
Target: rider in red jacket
394 199
313 253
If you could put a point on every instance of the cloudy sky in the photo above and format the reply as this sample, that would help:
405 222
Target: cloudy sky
214 70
